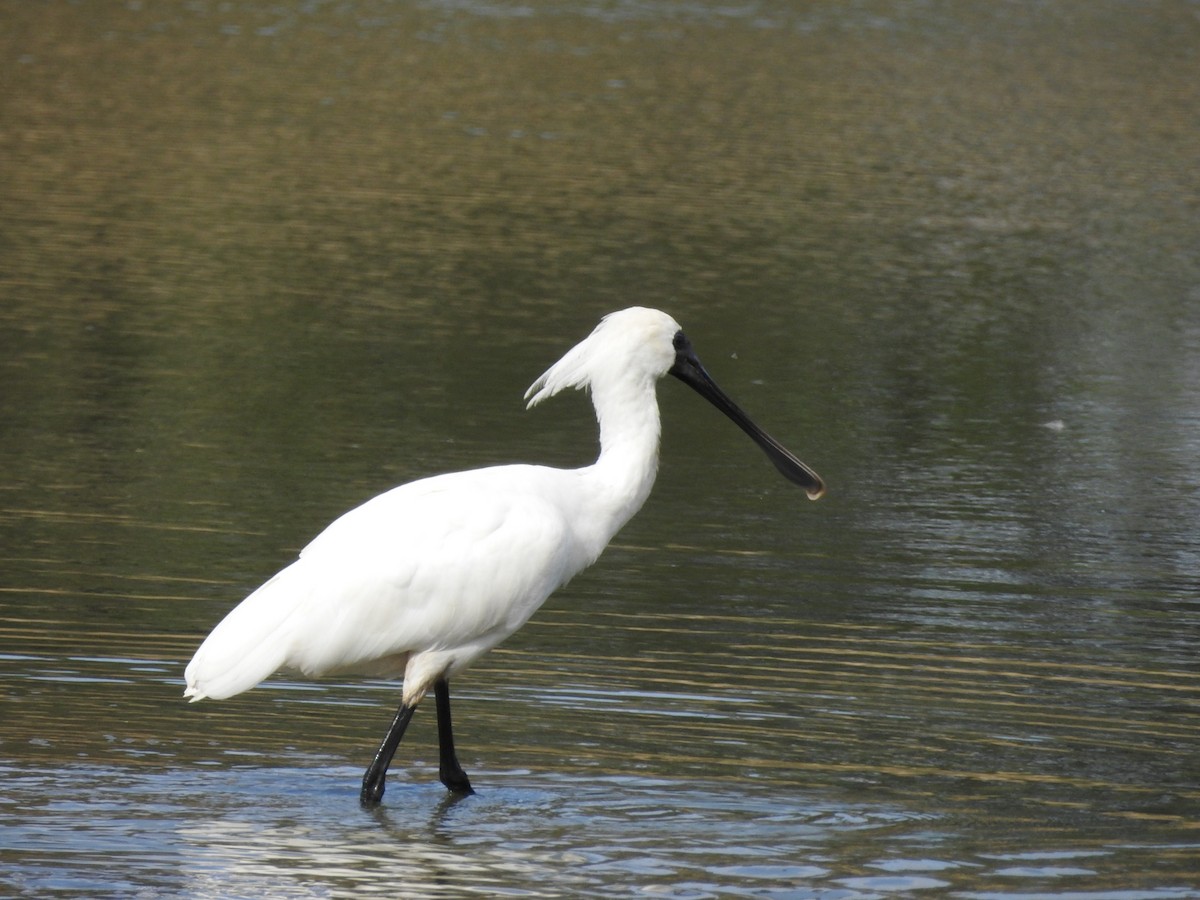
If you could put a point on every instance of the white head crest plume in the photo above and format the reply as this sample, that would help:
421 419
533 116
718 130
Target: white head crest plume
635 340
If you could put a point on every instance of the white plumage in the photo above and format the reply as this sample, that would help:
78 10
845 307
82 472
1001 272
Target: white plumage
421 580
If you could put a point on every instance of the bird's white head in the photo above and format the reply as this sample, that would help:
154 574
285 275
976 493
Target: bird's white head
634 345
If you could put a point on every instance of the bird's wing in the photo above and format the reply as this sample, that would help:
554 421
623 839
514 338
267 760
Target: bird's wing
439 564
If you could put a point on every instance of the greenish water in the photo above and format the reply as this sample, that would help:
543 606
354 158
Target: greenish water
259 262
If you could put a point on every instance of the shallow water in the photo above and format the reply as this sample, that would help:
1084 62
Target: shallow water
259 262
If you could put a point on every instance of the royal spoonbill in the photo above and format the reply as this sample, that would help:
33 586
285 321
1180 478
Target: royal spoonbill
424 579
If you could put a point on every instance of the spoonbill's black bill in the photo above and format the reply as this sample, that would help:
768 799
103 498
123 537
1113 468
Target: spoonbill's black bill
420 581
687 369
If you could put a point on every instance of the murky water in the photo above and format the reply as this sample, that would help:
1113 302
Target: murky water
261 261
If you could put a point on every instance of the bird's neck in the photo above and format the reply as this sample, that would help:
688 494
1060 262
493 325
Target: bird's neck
629 436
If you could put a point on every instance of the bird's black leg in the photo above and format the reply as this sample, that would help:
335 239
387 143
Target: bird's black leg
449 771
372 786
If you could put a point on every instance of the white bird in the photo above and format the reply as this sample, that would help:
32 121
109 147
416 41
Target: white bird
424 579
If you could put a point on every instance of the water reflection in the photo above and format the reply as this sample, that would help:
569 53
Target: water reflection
233 831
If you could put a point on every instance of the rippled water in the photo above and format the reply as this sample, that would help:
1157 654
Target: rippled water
261 261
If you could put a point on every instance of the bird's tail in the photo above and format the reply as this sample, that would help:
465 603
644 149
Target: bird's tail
246 647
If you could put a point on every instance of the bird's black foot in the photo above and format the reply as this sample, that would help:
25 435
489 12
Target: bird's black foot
455 780
373 780
372 788
449 770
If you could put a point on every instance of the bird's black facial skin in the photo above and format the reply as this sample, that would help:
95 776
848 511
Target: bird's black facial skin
688 369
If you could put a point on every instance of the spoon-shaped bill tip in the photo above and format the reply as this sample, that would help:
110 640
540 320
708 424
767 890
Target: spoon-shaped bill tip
790 467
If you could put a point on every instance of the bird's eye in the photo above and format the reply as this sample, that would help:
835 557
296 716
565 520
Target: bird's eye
680 341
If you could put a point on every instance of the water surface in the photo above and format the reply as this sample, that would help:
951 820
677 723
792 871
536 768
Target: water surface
259 262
